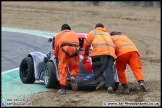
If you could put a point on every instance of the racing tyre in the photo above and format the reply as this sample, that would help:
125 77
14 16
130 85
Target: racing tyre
50 78
26 70
116 85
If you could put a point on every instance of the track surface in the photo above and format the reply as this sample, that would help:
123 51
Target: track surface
16 46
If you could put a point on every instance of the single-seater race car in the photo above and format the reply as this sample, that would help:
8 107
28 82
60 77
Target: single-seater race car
44 68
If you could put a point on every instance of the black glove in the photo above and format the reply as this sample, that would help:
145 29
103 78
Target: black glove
50 40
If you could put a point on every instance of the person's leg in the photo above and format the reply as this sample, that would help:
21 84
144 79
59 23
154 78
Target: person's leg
109 74
136 67
74 69
74 66
120 64
98 70
62 69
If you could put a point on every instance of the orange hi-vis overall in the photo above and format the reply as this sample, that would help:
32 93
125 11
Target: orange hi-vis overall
127 53
67 44
103 55
101 42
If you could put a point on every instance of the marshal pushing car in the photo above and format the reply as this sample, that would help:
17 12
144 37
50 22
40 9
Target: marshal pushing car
44 68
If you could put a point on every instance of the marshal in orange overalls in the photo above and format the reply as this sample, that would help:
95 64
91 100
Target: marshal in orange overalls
103 56
65 44
127 53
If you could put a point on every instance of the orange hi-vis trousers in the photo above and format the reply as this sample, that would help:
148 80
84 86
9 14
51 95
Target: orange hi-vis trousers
133 60
64 62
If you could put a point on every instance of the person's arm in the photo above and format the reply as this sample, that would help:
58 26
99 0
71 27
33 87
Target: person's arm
56 46
87 43
53 43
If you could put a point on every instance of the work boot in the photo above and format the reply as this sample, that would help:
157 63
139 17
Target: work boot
62 91
125 89
74 84
100 85
110 90
142 86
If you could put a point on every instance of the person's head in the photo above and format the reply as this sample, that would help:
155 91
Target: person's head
65 27
99 25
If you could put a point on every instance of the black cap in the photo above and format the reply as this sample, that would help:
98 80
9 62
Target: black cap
65 27
99 25
115 33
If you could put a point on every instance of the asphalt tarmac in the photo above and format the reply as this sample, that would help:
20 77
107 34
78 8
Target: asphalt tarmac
15 46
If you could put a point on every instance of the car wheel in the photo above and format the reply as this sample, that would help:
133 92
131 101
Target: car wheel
26 70
116 85
50 78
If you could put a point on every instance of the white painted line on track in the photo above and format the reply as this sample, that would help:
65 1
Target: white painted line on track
8 71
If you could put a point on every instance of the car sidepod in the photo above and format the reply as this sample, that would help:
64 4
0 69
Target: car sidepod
40 61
